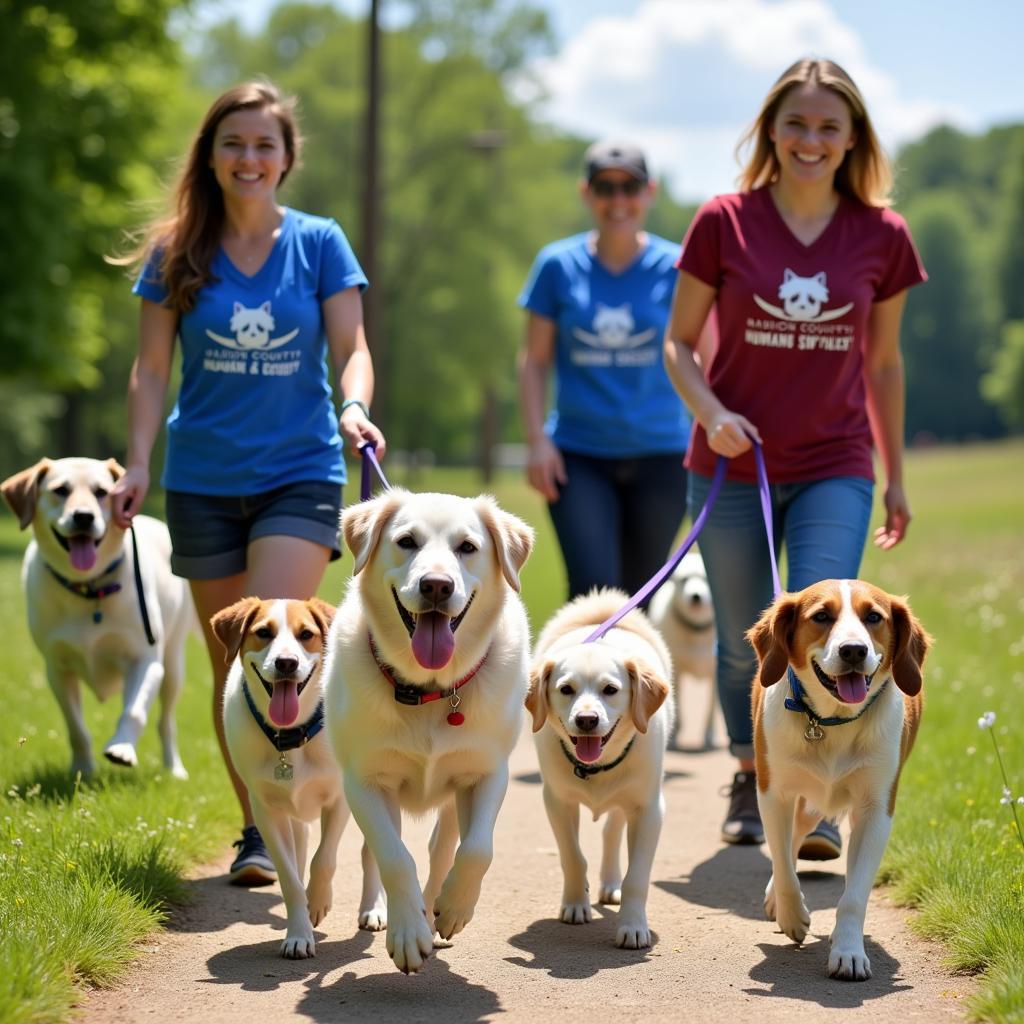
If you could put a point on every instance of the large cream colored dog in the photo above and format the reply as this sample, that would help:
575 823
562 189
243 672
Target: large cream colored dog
601 715
856 655
273 717
425 684
84 611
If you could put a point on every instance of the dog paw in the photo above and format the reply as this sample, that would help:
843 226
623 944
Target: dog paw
318 899
847 959
375 918
576 913
299 946
409 939
610 895
633 935
849 965
122 754
793 918
455 903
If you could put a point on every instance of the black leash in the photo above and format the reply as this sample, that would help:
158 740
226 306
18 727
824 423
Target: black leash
138 590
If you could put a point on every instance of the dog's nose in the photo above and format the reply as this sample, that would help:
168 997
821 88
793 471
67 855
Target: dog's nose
586 722
286 664
83 520
437 587
853 654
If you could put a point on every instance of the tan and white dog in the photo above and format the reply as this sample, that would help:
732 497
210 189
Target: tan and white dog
273 721
601 715
85 612
856 654
426 679
681 610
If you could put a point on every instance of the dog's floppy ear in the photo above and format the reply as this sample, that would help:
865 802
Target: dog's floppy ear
231 624
772 638
323 613
362 525
116 469
910 645
537 694
647 694
512 538
21 491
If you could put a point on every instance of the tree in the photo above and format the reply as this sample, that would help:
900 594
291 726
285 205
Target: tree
946 338
1003 385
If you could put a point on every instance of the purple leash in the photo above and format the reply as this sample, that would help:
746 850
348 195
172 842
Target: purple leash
677 556
370 466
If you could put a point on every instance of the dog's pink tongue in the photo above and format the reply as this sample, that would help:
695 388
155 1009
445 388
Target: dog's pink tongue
284 703
83 553
852 687
588 748
433 641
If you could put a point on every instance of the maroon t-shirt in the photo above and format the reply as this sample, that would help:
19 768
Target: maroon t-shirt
792 328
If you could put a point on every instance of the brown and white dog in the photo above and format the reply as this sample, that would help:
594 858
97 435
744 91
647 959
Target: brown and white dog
425 685
85 612
682 611
856 654
273 721
601 714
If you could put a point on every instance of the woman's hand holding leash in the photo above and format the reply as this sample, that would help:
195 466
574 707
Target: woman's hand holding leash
730 434
128 494
358 430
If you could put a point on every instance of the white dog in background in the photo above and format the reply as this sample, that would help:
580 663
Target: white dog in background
85 612
682 611
601 714
273 720
427 673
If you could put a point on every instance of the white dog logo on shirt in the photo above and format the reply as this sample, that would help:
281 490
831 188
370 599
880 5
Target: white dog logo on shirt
613 329
802 299
252 329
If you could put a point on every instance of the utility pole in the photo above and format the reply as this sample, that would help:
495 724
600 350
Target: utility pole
371 219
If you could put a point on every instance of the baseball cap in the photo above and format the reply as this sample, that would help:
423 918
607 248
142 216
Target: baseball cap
610 155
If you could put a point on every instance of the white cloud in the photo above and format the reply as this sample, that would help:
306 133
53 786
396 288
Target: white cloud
685 77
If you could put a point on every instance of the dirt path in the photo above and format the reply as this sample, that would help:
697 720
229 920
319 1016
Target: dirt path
715 957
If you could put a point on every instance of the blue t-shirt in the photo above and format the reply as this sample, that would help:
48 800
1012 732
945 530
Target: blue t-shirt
612 394
254 410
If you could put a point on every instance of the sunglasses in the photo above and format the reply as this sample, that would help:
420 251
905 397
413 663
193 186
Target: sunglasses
604 189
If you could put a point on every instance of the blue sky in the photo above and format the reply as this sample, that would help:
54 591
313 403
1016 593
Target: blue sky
684 77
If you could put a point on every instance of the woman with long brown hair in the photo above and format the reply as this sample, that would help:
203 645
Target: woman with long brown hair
258 294
808 271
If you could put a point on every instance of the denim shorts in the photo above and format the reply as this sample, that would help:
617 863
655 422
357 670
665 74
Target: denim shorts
211 533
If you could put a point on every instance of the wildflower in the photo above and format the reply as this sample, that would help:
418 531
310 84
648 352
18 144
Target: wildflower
17 842
987 720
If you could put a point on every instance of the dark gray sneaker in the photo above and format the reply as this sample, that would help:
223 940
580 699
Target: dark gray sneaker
253 865
742 824
824 843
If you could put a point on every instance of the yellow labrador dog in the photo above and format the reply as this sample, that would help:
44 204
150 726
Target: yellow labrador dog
85 612
835 716
601 714
681 610
427 672
273 721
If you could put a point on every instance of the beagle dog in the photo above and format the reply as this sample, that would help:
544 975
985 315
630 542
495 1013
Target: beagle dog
835 716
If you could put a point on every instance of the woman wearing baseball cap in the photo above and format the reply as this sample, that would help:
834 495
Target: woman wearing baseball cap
608 456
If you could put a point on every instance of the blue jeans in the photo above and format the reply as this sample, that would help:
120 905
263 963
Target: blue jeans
823 524
616 518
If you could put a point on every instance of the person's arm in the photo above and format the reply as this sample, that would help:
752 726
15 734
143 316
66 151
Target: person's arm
147 392
545 469
727 431
346 339
883 378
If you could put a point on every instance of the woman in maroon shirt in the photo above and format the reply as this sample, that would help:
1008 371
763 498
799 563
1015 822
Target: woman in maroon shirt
807 269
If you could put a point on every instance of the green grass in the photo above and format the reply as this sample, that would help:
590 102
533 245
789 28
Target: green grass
86 871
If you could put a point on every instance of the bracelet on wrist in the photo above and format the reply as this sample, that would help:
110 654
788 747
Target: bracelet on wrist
356 401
